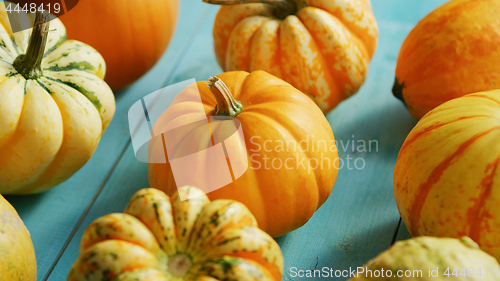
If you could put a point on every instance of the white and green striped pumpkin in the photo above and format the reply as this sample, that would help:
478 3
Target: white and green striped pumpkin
160 238
54 105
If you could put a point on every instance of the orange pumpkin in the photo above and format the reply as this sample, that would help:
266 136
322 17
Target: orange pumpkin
17 255
447 176
450 53
284 164
321 47
130 35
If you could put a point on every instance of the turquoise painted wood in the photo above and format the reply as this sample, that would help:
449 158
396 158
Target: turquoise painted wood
359 220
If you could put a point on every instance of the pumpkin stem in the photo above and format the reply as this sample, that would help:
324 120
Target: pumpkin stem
179 265
29 64
397 90
227 105
282 8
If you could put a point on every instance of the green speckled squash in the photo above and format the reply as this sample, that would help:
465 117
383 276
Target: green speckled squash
54 105
431 259
159 238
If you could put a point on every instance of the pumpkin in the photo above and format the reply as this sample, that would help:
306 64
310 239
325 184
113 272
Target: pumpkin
163 238
17 255
447 176
430 258
131 35
284 163
452 52
54 105
321 47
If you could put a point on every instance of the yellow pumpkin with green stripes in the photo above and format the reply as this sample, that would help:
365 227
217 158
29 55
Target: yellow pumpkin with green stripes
54 104
161 238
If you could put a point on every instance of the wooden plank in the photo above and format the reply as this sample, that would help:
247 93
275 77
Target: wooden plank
52 216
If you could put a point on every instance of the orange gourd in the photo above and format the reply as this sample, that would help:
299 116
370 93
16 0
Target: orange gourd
447 176
130 35
17 255
321 47
452 52
287 143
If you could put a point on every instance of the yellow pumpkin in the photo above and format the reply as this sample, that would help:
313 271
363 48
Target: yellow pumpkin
321 47
284 163
160 238
17 255
54 105
447 176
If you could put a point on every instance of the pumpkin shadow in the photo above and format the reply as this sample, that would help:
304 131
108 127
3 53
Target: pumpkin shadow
356 249
390 123
343 253
25 204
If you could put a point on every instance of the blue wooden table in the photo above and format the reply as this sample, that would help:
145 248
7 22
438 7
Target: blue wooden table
360 218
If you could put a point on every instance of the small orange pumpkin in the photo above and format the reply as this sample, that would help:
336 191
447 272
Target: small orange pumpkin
452 52
447 176
17 255
131 35
321 47
287 142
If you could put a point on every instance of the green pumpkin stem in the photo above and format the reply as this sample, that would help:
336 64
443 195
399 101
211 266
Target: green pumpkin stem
29 64
282 8
227 105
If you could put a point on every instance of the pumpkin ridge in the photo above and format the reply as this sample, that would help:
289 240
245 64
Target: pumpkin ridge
192 248
351 27
256 54
248 43
14 44
484 97
8 52
344 26
293 134
474 218
89 95
425 188
257 111
181 153
327 68
43 86
432 128
261 180
262 90
26 87
59 42
82 66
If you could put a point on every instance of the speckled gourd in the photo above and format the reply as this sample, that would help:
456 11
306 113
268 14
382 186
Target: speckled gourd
161 238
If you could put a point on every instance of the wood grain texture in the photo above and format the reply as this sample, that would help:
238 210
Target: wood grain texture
359 220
